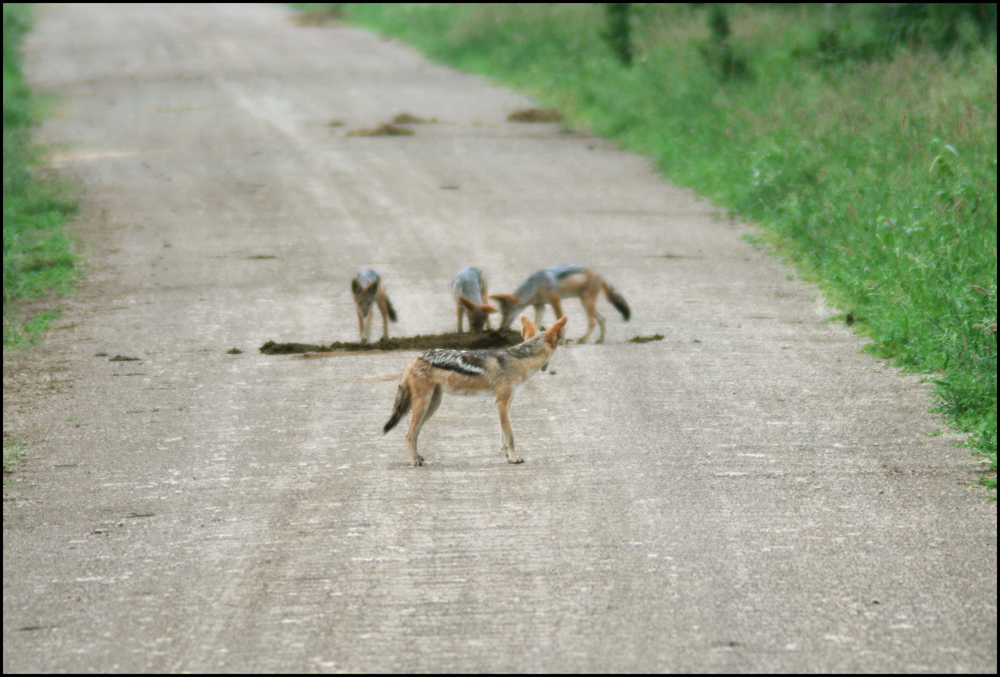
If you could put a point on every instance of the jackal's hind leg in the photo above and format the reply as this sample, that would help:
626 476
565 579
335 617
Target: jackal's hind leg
384 310
506 434
593 319
589 301
423 409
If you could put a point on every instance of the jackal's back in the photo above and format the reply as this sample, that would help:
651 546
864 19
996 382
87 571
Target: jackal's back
468 283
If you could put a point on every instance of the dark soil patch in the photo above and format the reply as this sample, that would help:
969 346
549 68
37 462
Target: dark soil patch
535 115
272 348
490 339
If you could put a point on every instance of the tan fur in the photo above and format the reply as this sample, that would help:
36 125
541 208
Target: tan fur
366 297
586 285
504 371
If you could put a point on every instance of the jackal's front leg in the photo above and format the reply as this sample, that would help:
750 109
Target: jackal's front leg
383 309
364 323
506 434
557 307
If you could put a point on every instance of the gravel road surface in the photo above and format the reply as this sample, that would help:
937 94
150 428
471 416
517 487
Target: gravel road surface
750 493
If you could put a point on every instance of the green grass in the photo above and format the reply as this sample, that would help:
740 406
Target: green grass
869 162
13 450
37 258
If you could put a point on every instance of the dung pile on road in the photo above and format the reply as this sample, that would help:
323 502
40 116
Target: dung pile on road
535 115
465 341
386 129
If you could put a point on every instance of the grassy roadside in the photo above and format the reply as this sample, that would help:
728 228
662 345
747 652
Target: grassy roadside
37 261
870 163
13 449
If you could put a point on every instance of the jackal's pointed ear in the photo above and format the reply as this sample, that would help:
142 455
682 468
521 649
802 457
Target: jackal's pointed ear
489 309
505 300
469 305
555 332
372 288
528 328
355 286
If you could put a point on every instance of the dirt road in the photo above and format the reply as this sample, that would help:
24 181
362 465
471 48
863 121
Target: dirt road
750 493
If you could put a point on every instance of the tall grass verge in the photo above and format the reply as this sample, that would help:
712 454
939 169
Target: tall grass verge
37 260
870 162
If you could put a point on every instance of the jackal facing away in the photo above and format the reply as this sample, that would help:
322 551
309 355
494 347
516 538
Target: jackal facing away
460 372
553 284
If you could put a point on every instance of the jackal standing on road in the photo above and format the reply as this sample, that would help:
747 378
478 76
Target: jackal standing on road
460 372
368 292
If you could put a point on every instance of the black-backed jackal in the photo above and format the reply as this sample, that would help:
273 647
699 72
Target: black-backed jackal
501 371
368 292
469 288
551 285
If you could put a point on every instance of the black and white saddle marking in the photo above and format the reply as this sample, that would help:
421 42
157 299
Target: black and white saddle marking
460 361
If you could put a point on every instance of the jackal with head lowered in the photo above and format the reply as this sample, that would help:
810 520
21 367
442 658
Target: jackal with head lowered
551 285
469 288
369 292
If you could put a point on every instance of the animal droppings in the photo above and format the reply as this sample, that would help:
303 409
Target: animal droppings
407 119
382 130
535 115
646 339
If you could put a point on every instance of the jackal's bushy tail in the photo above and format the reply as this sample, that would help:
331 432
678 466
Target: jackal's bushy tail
399 409
392 311
617 300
